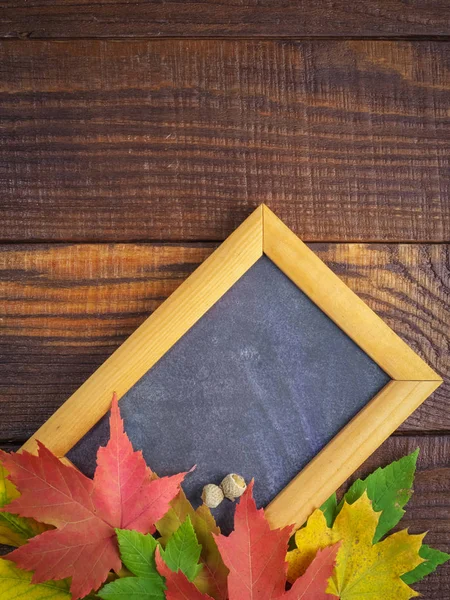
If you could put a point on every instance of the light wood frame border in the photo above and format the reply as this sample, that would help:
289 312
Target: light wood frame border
412 380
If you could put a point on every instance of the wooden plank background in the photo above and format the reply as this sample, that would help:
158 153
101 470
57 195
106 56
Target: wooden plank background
126 157
346 141
187 18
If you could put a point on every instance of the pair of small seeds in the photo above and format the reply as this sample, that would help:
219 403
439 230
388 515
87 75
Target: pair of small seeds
232 487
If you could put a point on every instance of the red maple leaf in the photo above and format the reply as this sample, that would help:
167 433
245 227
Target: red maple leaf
254 553
84 511
314 582
255 556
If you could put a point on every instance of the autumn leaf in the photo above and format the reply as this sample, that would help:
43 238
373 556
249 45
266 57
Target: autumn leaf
432 559
182 551
212 579
313 584
14 530
16 584
254 554
134 588
329 509
137 552
138 555
367 570
85 512
83 546
389 489
124 489
363 569
309 540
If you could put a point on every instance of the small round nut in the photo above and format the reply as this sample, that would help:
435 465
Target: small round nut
233 486
212 495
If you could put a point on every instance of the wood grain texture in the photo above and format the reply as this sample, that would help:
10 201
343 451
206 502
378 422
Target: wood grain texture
66 308
179 140
429 507
156 336
145 18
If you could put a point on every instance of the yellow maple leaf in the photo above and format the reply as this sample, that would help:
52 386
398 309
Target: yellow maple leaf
16 584
309 540
363 570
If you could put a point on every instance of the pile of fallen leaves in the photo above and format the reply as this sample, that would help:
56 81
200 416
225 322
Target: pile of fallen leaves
128 534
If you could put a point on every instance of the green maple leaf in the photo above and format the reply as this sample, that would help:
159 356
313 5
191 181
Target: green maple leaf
137 552
134 588
329 509
433 558
182 551
389 489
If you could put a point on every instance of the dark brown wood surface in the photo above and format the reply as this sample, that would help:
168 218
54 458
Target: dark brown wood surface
109 144
280 18
102 141
68 307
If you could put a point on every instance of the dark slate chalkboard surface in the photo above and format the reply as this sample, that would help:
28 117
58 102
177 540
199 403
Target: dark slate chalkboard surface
258 386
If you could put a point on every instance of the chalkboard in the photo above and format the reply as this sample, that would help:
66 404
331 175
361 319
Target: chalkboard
258 386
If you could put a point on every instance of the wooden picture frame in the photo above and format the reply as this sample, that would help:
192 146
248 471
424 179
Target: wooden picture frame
412 380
